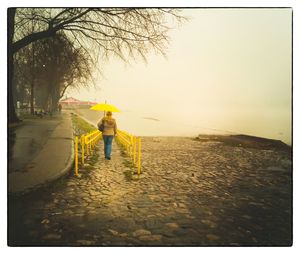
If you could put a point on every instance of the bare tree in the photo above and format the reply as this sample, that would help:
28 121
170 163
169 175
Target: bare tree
55 65
123 32
12 117
61 66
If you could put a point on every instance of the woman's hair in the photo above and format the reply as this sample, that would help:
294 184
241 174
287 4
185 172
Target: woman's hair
108 113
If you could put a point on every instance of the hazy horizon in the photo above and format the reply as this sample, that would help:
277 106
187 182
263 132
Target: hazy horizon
226 69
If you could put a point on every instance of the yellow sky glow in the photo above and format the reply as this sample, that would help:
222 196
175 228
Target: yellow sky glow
228 69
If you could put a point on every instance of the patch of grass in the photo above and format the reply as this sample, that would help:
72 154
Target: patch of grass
123 153
123 149
80 126
93 159
128 164
131 174
87 167
128 175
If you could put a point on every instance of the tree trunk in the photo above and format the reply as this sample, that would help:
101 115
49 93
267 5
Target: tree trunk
32 98
32 83
12 117
56 98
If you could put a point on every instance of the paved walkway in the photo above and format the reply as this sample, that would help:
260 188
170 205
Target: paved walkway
190 193
41 150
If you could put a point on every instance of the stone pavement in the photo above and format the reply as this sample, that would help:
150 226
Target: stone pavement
191 193
41 150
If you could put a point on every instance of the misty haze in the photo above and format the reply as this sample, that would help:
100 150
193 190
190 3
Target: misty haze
150 127
231 76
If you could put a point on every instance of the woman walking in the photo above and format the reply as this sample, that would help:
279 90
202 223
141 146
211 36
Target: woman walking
109 130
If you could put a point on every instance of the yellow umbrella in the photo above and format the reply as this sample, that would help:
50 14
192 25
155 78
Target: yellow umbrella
105 107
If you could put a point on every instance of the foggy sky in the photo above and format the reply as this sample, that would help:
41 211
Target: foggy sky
228 69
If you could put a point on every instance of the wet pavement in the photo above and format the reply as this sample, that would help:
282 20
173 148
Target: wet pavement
191 193
27 140
40 150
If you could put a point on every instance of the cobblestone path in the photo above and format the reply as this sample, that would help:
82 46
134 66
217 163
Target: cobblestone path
190 193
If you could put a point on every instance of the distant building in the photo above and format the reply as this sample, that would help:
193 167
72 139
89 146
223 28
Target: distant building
73 101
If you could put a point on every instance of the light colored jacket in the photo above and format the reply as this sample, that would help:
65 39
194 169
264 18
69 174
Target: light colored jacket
110 126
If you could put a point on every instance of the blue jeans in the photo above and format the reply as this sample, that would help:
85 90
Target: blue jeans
107 145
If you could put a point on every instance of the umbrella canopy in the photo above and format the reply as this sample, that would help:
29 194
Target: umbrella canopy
105 107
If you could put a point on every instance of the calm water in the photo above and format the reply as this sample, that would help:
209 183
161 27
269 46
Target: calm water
146 125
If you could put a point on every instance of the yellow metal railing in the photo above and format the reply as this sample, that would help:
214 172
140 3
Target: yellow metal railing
87 145
132 145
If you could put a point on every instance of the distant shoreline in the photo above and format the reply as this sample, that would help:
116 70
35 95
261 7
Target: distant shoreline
238 140
218 137
246 141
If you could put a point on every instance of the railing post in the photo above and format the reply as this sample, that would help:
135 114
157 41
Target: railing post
139 156
82 149
87 146
131 147
134 150
76 156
